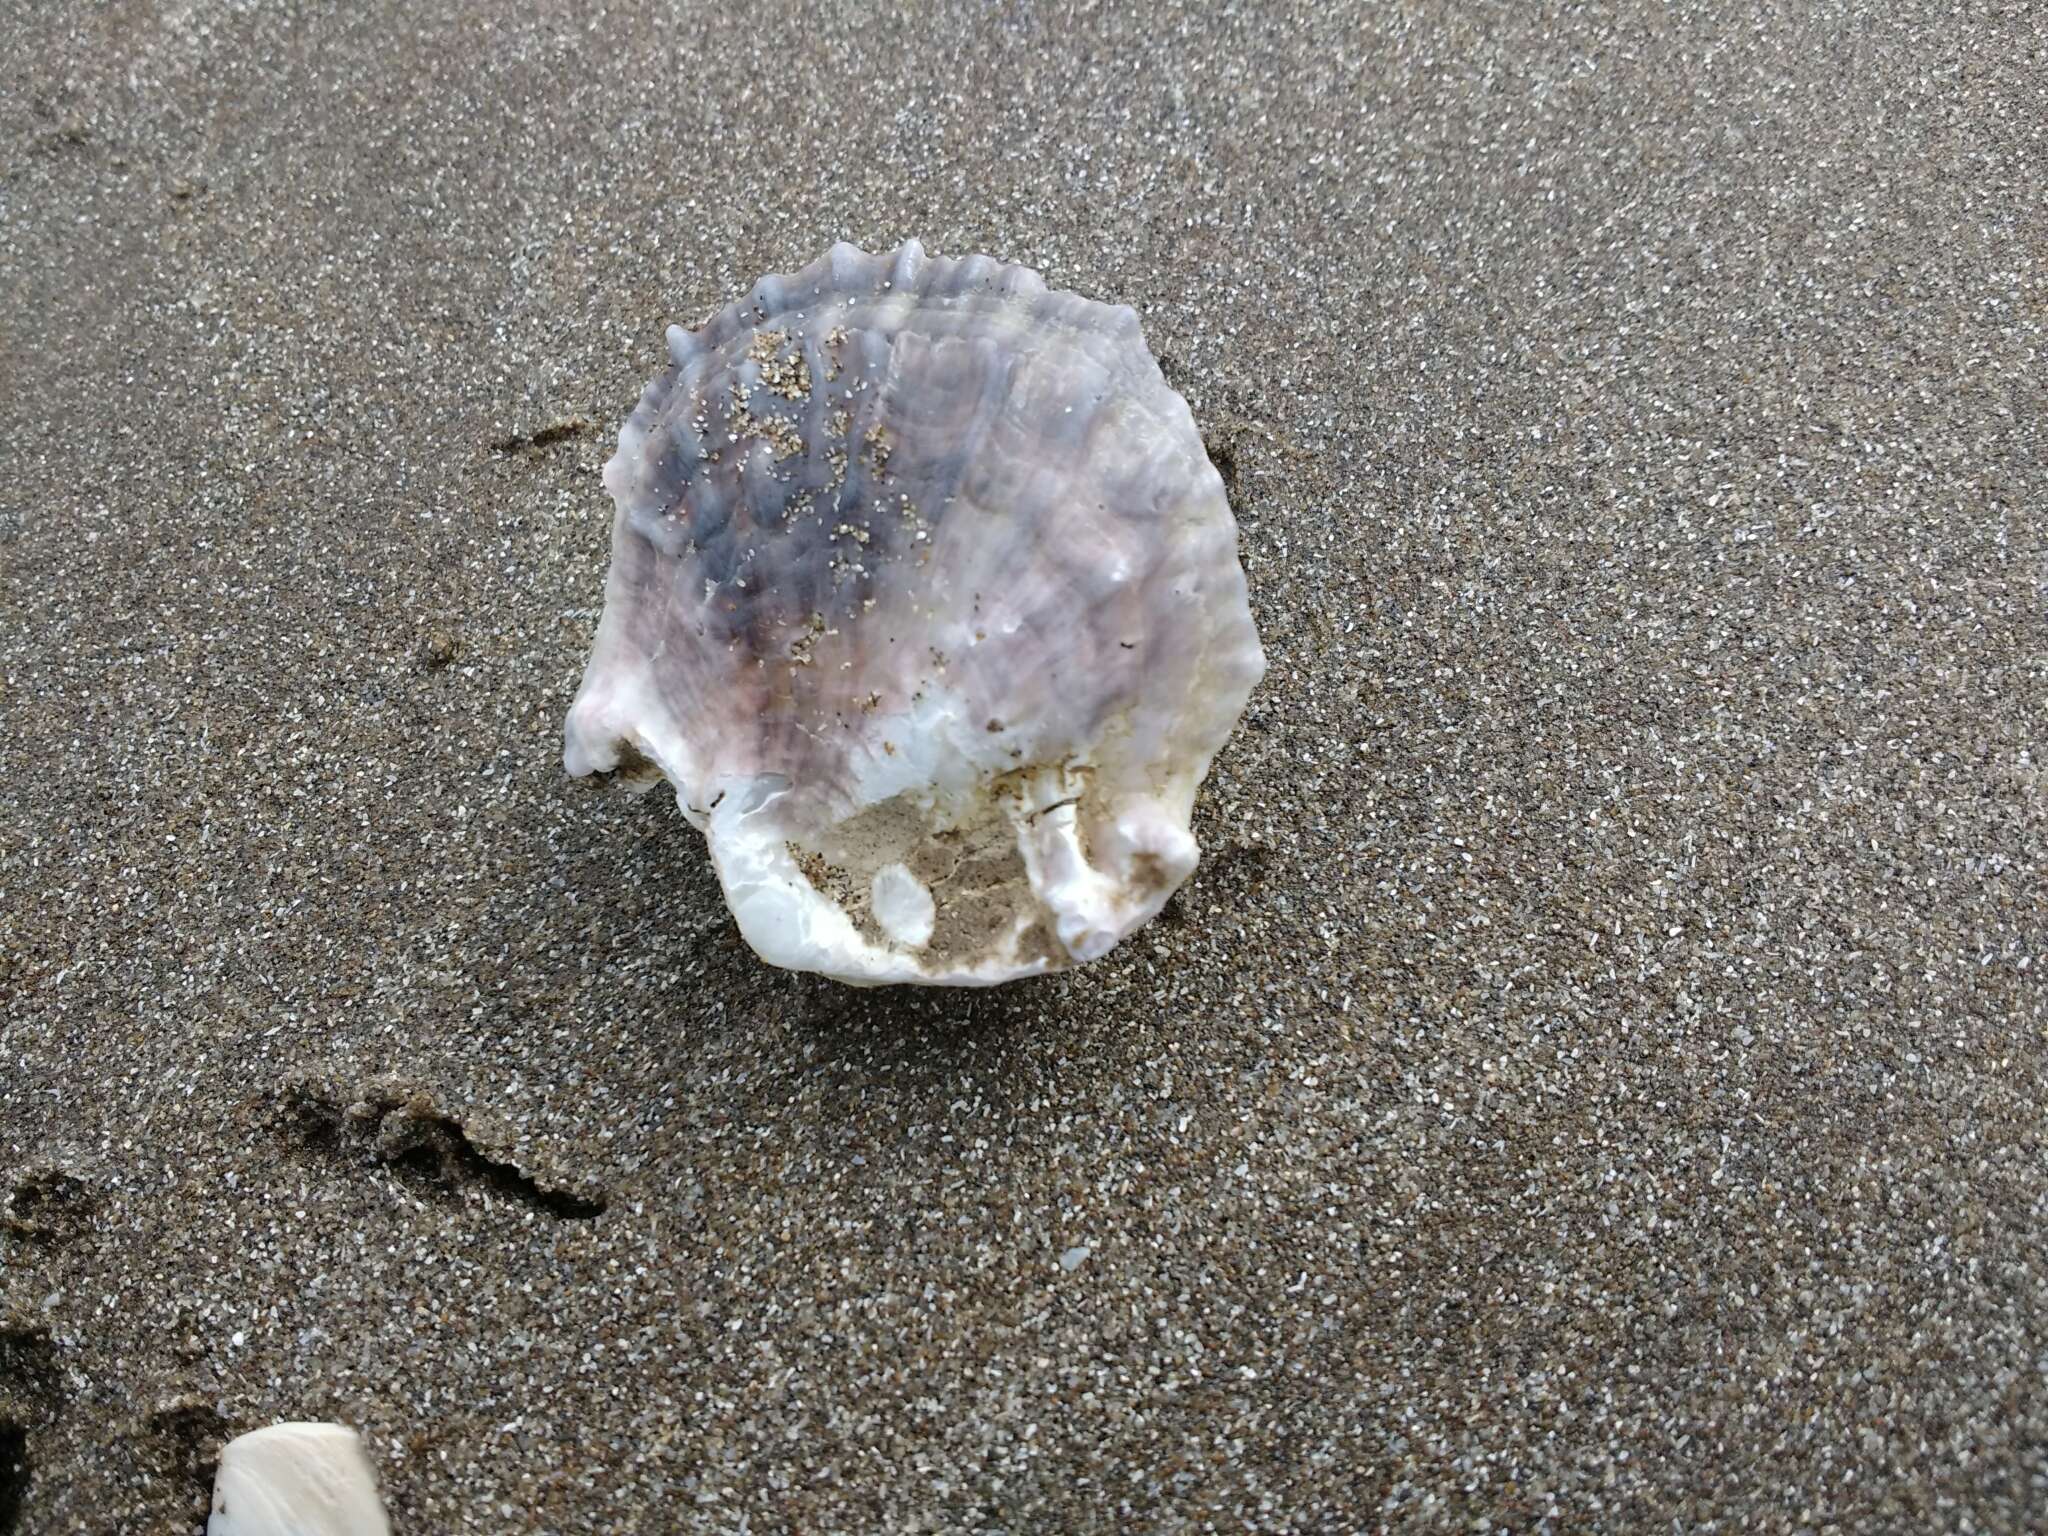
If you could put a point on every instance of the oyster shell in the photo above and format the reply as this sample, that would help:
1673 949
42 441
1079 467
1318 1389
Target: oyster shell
925 597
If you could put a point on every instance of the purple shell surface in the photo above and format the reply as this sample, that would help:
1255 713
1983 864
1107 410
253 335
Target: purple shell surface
925 597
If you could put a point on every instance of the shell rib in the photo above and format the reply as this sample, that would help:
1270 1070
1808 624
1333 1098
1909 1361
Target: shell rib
925 597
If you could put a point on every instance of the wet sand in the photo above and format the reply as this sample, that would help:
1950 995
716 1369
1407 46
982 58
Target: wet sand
1595 1078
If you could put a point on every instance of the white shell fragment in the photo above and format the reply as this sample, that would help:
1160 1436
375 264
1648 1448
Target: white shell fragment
296 1480
925 597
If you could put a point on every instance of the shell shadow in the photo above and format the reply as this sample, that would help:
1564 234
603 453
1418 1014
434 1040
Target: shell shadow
909 1033
646 883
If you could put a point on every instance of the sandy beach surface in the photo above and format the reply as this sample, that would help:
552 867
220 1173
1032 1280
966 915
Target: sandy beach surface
1595 1079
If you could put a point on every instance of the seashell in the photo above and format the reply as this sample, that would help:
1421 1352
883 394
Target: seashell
296 1480
925 597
